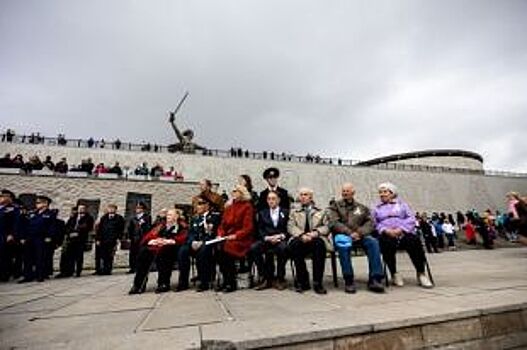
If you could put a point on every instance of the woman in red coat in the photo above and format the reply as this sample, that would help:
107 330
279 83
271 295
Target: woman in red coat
236 227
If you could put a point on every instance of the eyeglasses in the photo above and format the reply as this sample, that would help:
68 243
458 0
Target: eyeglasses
201 203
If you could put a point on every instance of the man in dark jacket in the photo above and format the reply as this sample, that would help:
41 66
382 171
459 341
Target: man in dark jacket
138 226
203 228
108 231
272 240
77 231
271 176
9 227
36 237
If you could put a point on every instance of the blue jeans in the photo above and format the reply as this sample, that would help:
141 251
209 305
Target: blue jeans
371 247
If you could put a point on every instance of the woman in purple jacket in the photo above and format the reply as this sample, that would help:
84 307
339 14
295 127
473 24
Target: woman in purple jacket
395 222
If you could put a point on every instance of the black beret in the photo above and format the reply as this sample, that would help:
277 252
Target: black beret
271 172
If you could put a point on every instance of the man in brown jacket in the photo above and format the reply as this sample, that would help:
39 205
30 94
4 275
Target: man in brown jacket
352 219
216 200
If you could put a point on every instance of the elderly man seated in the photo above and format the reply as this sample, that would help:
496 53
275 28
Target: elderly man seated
308 227
351 223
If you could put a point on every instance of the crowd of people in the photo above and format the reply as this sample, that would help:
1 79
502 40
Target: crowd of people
34 163
247 229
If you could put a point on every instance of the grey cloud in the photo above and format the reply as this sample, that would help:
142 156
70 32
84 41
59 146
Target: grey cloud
350 79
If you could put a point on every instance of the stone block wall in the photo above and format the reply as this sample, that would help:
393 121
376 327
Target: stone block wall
425 191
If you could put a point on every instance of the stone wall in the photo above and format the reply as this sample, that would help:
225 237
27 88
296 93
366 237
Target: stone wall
426 191
66 191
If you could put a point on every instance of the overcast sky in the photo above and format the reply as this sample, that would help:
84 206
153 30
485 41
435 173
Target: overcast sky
335 78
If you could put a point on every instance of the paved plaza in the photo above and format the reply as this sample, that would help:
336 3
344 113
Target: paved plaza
95 312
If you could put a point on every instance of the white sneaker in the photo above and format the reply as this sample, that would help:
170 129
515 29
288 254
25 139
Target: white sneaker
397 280
424 281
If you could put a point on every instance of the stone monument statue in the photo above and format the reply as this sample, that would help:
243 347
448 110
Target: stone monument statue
185 144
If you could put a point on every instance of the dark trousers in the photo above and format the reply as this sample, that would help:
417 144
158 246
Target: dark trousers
48 263
73 258
263 254
440 241
430 243
135 245
10 260
104 253
34 259
299 250
164 258
227 265
204 263
411 243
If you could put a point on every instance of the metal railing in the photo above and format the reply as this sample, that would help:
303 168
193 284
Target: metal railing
244 154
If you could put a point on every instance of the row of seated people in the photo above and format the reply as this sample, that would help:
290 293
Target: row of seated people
308 230
34 164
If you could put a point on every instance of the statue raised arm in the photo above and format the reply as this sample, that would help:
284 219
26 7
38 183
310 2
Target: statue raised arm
185 143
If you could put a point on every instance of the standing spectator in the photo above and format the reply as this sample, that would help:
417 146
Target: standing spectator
428 232
109 229
117 144
61 140
245 180
78 229
271 176
448 230
9 227
517 208
138 226
91 142
36 237
438 227
217 203
395 222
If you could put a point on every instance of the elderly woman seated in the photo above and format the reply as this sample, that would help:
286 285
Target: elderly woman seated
236 227
161 244
395 222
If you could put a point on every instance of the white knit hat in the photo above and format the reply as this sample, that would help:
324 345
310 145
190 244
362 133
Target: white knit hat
388 186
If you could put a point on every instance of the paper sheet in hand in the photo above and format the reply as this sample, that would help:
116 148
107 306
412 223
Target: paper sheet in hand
215 240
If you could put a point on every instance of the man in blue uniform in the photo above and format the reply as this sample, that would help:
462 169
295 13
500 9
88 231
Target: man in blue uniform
36 238
9 226
203 227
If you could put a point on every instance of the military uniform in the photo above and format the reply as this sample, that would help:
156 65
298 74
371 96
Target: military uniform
9 227
38 235
199 232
